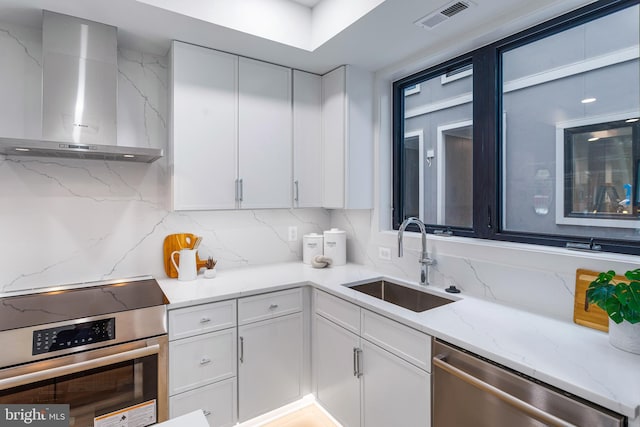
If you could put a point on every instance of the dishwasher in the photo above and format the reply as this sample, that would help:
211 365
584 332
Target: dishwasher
472 391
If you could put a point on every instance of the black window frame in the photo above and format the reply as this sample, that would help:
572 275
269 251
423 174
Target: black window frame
487 135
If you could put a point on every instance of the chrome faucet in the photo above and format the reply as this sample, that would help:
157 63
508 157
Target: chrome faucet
424 260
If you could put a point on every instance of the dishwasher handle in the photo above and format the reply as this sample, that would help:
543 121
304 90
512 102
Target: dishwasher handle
537 413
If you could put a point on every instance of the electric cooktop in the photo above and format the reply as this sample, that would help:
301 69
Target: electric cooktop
95 299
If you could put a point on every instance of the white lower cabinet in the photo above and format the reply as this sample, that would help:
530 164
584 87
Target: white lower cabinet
270 364
338 387
394 392
217 401
202 362
239 358
365 383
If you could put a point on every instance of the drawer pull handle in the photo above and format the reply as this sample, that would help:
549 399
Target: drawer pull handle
273 306
206 413
205 320
205 360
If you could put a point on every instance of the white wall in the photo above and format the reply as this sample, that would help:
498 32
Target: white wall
69 221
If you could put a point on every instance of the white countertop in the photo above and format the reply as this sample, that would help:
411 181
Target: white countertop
574 358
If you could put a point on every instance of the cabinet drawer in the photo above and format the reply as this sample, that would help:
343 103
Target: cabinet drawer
267 306
217 401
338 310
403 341
201 360
201 319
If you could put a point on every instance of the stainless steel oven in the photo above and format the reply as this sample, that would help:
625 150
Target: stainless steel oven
101 349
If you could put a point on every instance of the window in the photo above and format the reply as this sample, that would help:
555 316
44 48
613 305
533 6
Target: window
600 169
437 149
548 153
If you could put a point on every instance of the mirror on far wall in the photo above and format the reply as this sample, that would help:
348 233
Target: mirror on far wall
601 170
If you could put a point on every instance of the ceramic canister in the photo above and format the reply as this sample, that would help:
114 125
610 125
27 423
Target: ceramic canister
312 245
335 246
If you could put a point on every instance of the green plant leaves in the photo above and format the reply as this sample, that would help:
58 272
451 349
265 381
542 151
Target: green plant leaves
633 275
621 301
600 293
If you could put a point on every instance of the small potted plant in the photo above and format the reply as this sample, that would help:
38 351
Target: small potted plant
210 271
621 301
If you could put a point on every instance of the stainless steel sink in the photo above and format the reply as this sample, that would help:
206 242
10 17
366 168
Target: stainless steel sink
403 296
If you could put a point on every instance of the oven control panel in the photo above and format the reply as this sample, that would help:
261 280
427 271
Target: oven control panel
79 334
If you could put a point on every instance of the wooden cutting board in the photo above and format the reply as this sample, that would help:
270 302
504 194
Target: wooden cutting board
585 314
175 242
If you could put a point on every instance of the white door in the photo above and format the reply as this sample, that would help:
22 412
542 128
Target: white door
265 135
204 128
307 140
269 364
338 388
394 392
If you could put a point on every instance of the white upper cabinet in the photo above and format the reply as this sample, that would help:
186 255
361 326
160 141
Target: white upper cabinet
204 128
307 140
347 139
265 135
231 134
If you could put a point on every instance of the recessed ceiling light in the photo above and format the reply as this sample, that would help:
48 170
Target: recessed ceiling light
588 100
632 120
593 139
22 149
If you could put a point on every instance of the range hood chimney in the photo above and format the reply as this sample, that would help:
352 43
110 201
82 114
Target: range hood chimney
79 101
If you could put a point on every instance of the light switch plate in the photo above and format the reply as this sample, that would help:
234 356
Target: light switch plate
384 253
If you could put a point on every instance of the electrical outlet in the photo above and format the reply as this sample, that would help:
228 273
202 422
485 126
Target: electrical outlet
293 233
384 253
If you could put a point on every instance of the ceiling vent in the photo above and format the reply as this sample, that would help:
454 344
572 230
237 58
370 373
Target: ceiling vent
443 13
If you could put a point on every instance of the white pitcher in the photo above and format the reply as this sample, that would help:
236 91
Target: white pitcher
187 269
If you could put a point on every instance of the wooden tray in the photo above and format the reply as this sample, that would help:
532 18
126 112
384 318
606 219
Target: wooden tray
585 314
175 242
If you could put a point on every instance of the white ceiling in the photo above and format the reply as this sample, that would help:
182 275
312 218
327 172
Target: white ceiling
383 37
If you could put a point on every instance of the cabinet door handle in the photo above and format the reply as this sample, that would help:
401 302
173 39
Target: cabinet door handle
241 350
359 362
296 191
205 360
206 413
241 190
356 362
273 306
205 320
236 188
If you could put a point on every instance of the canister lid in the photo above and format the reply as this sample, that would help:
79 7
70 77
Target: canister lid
335 231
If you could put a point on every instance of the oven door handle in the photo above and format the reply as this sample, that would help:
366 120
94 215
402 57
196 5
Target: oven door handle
439 361
59 371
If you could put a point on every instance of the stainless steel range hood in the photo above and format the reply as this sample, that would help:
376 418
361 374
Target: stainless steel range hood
79 101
